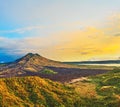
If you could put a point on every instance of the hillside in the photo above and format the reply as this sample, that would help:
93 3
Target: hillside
96 91
99 91
35 92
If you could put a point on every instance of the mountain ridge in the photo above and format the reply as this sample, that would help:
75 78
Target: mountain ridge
27 64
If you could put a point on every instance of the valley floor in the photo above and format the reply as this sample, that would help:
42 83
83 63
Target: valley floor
60 74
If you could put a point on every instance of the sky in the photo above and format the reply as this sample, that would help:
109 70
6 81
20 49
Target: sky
62 30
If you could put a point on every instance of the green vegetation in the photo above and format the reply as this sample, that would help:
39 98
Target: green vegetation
35 92
108 88
96 91
48 71
2 64
99 91
108 82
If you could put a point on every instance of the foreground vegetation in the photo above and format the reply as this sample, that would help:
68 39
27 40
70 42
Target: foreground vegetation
96 91
35 92
100 91
108 88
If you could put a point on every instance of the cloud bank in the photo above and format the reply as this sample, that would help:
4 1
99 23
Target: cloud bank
86 44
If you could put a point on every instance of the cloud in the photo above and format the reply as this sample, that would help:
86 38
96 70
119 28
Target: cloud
117 34
22 30
112 25
80 44
1 38
69 45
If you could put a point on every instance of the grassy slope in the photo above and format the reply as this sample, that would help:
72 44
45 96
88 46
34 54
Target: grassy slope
100 91
108 87
33 92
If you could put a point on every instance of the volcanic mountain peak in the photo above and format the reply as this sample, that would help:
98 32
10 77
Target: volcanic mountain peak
28 64
28 57
32 54
36 61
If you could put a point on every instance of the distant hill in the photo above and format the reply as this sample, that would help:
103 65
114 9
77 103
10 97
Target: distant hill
95 62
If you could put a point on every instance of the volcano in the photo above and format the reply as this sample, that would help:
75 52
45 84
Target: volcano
37 65
28 64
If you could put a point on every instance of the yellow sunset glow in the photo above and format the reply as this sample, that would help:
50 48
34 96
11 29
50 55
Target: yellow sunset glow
84 45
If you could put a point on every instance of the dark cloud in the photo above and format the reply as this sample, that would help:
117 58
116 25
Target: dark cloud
6 55
117 34
84 53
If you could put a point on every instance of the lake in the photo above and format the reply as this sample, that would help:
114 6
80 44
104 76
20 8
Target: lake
117 65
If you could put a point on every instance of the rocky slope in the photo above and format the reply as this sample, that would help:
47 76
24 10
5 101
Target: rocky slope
30 63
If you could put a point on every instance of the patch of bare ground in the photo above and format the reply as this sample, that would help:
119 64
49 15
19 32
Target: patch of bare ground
118 97
78 79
